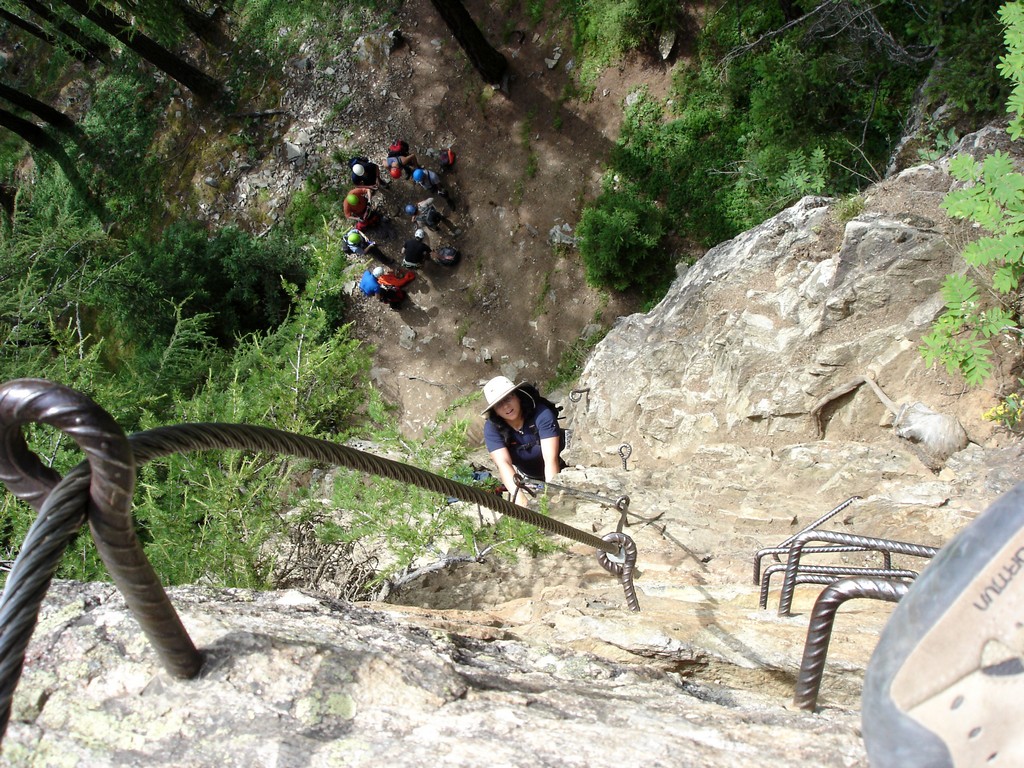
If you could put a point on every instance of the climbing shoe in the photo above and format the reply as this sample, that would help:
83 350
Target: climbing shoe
944 687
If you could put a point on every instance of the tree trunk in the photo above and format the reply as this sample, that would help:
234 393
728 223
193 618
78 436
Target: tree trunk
197 81
173 14
44 112
40 140
489 62
204 26
93 48
36 31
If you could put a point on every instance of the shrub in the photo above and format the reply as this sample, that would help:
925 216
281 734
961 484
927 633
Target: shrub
963 336
232 276
619 239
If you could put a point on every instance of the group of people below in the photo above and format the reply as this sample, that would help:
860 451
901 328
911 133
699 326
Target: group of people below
359 209
367 179
521 433
386 285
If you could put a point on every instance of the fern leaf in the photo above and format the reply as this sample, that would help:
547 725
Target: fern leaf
996 167
989 250
994 321
1009 190
976 367
1006 279
959 292
964 168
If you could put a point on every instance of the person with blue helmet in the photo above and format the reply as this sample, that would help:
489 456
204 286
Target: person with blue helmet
426 214
429 180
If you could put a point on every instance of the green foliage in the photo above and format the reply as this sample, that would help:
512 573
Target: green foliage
849 208
619 238
312 206
943 142
606 29
571 362
967 37
962 337
227 274
120 123
954 339
1010 412
763 117
282 29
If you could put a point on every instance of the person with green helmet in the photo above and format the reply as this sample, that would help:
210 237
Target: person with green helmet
357 203
358 243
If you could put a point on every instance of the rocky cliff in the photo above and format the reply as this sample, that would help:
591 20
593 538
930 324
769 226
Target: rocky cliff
745 399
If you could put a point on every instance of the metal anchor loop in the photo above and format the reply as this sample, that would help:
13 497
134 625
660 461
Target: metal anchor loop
576 395
621 564
622 504
625 451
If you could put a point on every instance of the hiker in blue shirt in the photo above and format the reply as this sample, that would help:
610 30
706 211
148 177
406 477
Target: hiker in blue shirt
368 282
521 432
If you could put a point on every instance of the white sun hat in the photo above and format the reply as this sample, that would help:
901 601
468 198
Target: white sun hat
495 391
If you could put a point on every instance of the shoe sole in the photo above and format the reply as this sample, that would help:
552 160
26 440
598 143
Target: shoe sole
943 687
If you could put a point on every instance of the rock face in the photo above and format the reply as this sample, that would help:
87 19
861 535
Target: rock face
295 681
734 395
750 337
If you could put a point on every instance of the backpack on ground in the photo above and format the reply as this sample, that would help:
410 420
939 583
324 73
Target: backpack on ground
430 217
447 255
446 159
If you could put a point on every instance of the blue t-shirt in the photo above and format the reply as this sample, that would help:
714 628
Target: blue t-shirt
368 284
524 445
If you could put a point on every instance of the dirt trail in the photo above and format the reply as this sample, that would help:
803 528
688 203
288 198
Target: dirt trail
527 161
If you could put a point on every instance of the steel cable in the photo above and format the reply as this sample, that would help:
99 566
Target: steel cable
99 490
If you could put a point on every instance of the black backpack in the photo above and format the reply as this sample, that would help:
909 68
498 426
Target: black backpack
447 255
539 399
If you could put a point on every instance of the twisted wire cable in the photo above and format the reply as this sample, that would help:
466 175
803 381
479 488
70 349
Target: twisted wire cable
108 475
832 537
819 630
99 490
179 438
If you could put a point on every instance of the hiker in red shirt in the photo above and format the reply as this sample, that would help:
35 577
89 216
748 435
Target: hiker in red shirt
357 208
